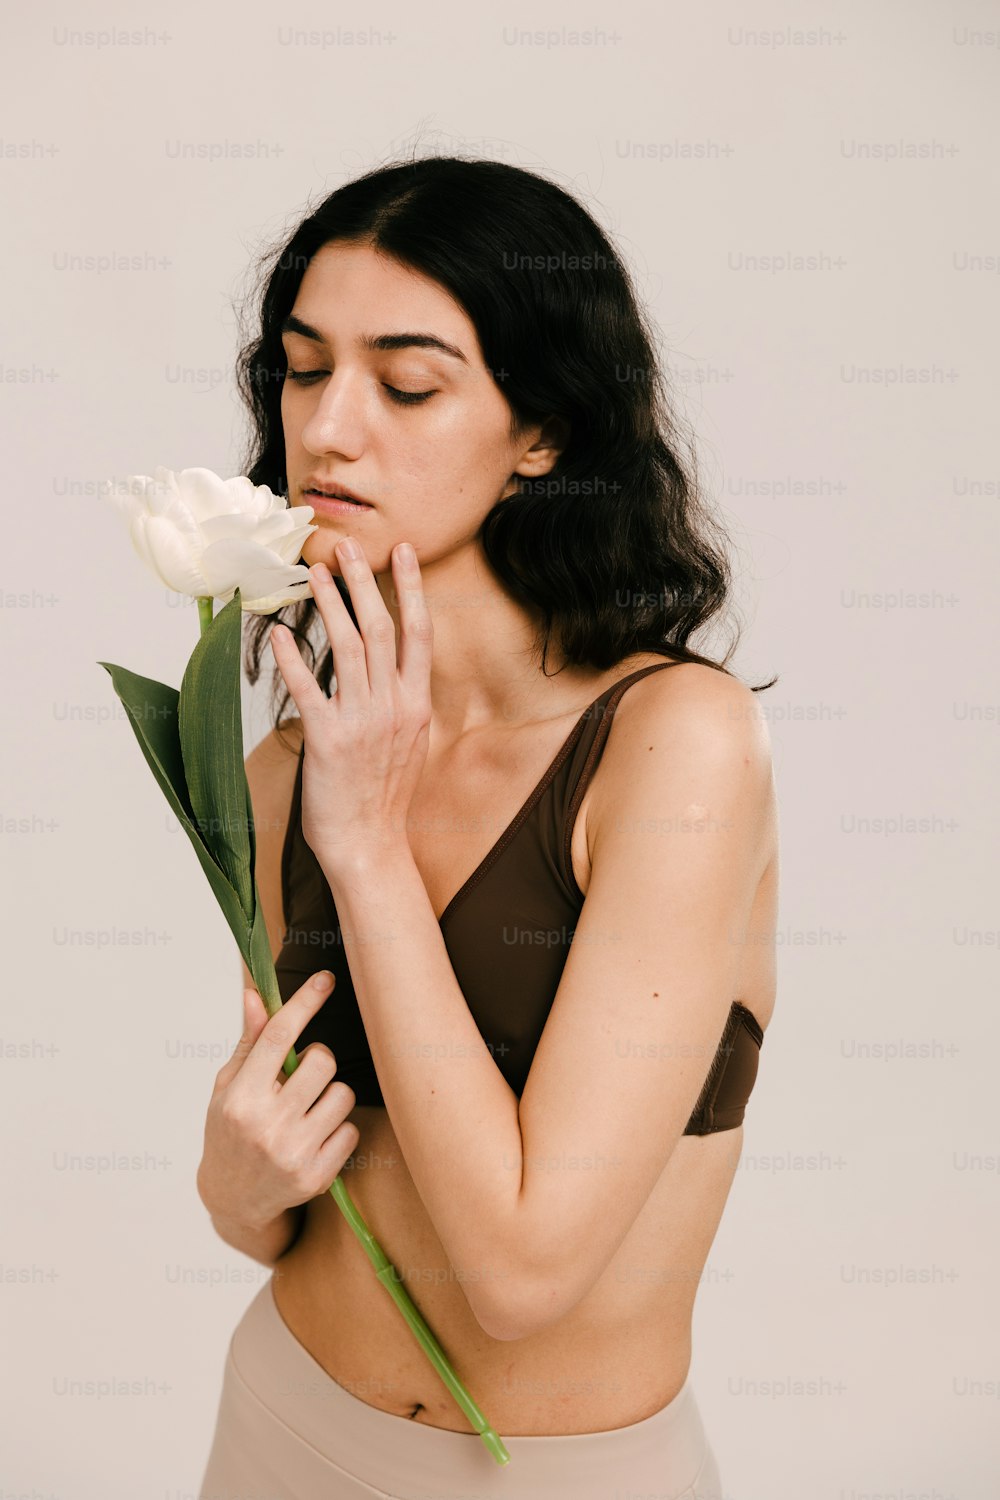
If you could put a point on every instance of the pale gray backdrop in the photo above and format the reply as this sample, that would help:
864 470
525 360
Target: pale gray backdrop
807 195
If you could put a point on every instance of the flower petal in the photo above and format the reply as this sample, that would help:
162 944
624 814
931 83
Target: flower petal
205 536
267 604
172 558
233 526
265 591
204 494
225 563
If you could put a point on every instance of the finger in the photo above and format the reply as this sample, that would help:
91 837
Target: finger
254 1021
312 1081
347 1131
353 694
335 1150
375 624
416 634
307 695
279 1036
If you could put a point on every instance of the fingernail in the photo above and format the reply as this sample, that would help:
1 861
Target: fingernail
349 548
323 980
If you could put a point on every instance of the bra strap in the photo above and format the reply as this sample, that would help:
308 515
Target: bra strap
603 715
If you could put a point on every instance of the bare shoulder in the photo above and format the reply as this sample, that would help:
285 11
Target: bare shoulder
694 699
705 725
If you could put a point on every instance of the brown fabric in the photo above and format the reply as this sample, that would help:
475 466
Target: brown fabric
507 931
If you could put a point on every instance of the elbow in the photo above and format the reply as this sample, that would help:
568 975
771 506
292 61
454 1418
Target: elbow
505 1323
502 1324
523 1290
521 1311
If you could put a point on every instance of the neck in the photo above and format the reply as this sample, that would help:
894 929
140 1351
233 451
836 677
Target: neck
485 670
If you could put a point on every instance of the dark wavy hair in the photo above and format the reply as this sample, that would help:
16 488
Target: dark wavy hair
613 550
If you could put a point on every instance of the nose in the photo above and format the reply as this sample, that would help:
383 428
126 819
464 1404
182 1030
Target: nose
336 423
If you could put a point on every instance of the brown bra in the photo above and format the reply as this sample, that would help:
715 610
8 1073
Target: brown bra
524 886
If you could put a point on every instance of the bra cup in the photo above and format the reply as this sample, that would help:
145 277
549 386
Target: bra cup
507 930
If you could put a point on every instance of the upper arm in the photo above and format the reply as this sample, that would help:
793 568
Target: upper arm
680 839
271 769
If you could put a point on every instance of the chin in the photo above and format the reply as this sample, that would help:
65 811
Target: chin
321 549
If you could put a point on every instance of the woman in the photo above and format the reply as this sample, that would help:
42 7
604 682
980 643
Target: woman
456 345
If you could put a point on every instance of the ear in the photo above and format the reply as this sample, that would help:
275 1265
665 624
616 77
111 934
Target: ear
549 441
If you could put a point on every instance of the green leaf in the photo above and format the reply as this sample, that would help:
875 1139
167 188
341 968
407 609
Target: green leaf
153 711
261 964
211 737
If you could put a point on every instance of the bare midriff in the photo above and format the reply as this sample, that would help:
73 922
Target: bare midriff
619 1356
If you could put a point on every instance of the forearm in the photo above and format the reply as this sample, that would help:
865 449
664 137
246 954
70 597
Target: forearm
453 1112
267 1244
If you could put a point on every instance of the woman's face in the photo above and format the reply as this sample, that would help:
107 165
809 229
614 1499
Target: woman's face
431 468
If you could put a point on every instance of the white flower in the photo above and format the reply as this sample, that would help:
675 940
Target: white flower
207 537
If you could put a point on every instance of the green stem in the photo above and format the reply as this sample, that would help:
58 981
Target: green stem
204 614
267 986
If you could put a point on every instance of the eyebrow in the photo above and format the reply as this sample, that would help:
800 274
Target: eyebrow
379 342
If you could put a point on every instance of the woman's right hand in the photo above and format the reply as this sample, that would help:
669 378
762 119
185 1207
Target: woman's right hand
274 1141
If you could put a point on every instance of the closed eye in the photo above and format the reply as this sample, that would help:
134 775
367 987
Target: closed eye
402 398
407 398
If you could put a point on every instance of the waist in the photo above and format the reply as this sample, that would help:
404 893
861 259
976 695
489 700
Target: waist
622 1353
401 1456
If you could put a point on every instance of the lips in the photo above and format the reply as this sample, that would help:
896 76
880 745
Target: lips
333 491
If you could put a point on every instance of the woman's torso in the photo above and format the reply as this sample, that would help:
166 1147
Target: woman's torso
624 1350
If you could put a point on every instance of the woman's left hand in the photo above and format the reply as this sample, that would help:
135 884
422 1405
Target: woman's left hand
366 744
